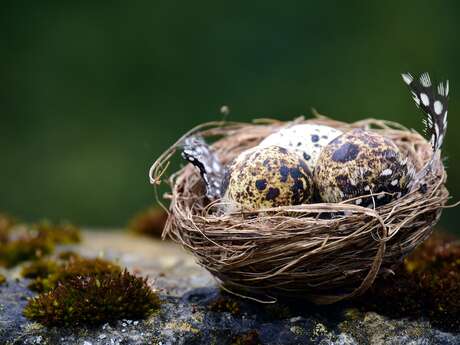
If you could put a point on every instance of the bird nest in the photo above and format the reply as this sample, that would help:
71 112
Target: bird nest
324 252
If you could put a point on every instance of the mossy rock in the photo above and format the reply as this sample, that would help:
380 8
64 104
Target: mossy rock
194 310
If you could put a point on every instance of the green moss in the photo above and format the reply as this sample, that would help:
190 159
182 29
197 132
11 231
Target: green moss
58 233
36 242
40 271
2 279
39 285
438 273
428 283
86 291
83 267
47 274
94 299
25 248
68 255
149 222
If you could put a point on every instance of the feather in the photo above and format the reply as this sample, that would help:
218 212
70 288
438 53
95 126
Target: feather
196 151
433 101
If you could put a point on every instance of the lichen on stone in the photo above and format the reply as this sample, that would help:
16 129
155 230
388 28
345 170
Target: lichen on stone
182 327
298 330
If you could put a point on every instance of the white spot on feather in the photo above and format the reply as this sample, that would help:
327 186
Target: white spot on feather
425 99
216 166
438 107
386 172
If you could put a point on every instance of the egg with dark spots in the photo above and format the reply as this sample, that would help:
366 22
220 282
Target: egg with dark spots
359 163
270 176
305 139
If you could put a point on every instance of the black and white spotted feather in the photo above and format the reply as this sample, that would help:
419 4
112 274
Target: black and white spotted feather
433 101
199 153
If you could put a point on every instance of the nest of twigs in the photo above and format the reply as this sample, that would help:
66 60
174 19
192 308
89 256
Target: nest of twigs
325 252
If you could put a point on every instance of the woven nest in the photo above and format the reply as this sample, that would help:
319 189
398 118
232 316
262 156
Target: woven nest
301 251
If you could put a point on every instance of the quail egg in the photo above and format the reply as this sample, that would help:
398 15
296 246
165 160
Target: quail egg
359 163
305 139
268 177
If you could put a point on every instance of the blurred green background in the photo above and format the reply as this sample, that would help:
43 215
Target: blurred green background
92 92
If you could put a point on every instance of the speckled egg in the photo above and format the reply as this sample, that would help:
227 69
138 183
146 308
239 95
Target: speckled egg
268 177
306 139
359 163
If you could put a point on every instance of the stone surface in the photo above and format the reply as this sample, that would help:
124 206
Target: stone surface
191 315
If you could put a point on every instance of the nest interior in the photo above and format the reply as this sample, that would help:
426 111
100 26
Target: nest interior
323 252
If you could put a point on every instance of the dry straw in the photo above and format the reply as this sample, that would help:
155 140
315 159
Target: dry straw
323 252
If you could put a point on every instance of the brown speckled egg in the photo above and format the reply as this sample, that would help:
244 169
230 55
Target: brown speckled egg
359 163
268 177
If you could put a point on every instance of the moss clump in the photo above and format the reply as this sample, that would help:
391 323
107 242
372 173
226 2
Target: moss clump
149 222
83 267
2 279
40 271
225 304
58 233
93 299
428 283
437 271
248 338
25 248
68 255
47 274
37 241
